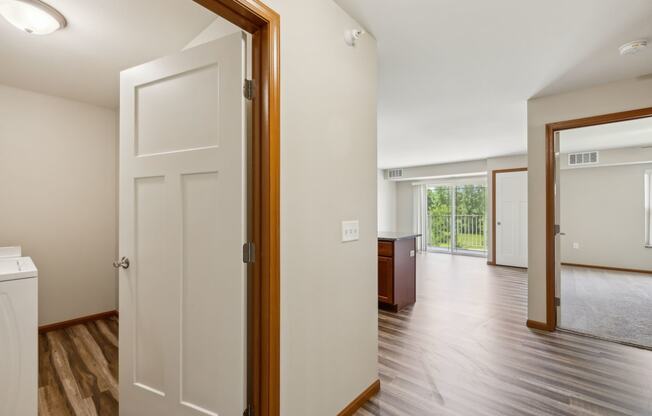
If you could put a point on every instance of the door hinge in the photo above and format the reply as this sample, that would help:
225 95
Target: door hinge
249 411
557 302
249 89
248 252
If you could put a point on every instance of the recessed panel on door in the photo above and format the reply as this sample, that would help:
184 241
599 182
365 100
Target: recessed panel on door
178 113
150 270
211 296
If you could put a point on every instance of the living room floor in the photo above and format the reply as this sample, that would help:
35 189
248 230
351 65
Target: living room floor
464 349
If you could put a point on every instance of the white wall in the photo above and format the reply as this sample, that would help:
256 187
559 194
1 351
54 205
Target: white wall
603 99
329 315
603 211
217 29
386 203
58 182
405 206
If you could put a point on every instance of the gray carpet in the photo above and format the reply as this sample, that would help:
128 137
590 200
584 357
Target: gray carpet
607 304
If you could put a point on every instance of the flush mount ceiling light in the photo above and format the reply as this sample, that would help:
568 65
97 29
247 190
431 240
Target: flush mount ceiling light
633 47
32 16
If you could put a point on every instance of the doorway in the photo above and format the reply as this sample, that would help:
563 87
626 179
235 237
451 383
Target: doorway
599 269
456 218
187 171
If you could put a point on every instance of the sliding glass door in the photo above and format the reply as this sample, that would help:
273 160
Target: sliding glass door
457 218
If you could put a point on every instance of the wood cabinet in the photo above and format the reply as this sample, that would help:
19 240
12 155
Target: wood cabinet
396 271
385 279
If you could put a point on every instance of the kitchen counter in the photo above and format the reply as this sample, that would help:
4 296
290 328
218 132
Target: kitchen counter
393 236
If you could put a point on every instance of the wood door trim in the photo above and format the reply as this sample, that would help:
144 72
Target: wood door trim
263 23
76 321
493 209
615 269
541 326
362 398
551 129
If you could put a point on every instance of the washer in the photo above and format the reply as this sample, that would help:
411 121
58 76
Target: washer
18 334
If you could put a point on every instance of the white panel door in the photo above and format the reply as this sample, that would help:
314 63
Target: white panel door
511 219
182 226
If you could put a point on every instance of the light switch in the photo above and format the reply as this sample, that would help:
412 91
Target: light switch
350 230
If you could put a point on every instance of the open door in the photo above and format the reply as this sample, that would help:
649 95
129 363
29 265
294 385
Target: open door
182 227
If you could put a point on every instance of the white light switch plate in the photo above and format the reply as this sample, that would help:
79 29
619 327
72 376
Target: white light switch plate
350 230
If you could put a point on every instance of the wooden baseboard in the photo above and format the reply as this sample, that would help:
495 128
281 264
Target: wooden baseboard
491 263
361 399
541 326
615 269
76 321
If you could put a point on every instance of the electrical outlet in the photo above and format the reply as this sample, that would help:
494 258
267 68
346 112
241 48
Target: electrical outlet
576 246
350 230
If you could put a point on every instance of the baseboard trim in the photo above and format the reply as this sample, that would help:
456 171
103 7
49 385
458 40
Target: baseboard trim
615 269
361 399
491 263
541 326
60 325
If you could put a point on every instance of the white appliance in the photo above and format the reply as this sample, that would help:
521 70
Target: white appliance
18 334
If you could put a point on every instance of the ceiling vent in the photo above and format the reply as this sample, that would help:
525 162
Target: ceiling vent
583 158
394 173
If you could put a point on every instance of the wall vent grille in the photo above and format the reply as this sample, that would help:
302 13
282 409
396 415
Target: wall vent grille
583 158
394 173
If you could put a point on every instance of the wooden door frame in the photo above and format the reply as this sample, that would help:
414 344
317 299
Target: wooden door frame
493 208
551 129
263 24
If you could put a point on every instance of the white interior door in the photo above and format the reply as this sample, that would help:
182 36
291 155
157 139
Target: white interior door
511 219
182 226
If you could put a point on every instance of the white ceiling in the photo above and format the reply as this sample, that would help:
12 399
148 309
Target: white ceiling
103 37
632 133
455 75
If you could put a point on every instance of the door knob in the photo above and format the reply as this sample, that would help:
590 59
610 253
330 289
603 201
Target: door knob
124 263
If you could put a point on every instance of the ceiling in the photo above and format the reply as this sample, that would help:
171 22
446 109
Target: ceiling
455 75
103 37
632 133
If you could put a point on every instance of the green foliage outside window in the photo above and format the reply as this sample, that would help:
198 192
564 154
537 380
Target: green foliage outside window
470 202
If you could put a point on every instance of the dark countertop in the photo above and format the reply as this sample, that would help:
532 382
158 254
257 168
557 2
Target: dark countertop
393 236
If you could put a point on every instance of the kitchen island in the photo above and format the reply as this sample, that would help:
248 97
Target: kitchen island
397 270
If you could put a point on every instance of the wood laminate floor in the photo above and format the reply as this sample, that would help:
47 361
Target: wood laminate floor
78 370
464 349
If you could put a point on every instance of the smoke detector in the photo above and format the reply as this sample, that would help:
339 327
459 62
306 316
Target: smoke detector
351 36
633 47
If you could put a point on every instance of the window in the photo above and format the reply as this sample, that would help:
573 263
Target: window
456 218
